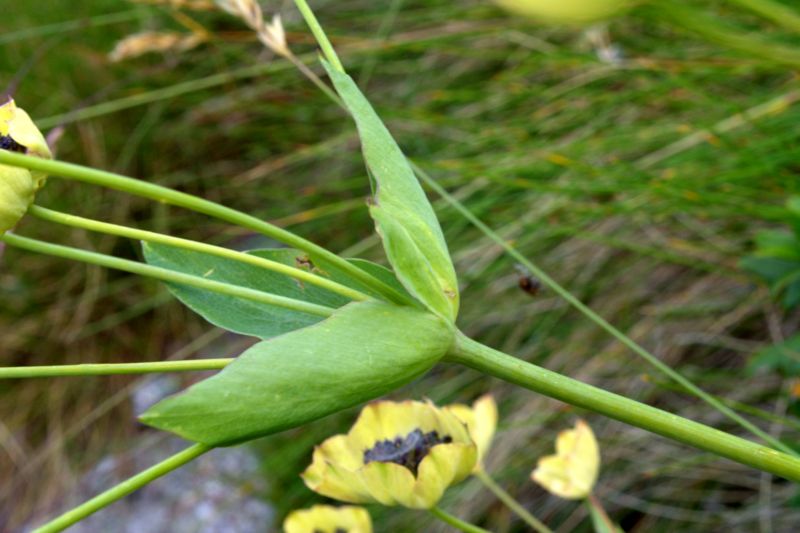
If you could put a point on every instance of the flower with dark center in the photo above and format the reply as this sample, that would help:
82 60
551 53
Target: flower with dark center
397 453
328 519
18 186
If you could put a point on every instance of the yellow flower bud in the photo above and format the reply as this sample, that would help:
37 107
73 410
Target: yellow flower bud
572 472
481 421
404 453
328 519
18 186
566 11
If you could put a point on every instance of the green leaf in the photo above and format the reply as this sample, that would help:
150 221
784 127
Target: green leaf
779 244
362 351
783 358
404 218
251 318
779 274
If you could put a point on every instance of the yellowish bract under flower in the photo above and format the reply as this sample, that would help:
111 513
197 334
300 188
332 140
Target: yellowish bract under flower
397 453
481 421
18 186
566 11
328 519
572 472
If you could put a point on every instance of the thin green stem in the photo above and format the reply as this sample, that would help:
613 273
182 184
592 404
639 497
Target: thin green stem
200 205
123 489
319 34
111 369
775 11
716 31
600 321
80 23
594 504
162 93
311 76
510 502
186 244
489 361
456 522
163 274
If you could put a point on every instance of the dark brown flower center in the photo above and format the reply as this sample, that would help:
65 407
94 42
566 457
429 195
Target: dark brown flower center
408 451
337 530
7 143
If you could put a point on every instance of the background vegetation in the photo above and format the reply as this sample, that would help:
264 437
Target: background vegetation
639 185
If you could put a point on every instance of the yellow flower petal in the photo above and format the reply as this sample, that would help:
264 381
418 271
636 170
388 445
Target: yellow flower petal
445 465
481 421
328 519
389 483
566 11
572 472
18 185
397 453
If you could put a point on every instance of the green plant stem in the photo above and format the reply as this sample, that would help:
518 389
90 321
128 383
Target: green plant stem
171 91
580 306
80 23
111 369
594 503
775 11
506 367
600 321
123 489
200 205
510 502
716 31
319 34
456 522
163 274
186 244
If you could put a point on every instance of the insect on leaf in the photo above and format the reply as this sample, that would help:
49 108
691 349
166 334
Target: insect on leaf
403 216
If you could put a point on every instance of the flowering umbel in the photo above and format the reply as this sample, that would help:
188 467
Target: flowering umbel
328 519
481 421
572 472
397 453
566 11
18 186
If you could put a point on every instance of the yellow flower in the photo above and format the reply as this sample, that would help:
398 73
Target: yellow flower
397 453
481 421
572 472
566 11
18 133
328 519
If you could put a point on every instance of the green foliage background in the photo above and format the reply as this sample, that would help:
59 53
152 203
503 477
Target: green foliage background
585 166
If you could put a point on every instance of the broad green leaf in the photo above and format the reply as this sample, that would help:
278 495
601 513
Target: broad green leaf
779 244
781 275
362 351
783 358
251 318
404 218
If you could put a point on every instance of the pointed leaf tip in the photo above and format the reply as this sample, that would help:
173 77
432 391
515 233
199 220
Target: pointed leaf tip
403 216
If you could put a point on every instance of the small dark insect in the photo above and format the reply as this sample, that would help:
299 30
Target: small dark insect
7 143
304 262
527 282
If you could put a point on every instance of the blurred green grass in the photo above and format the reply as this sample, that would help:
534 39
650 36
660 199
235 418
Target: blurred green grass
564 155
